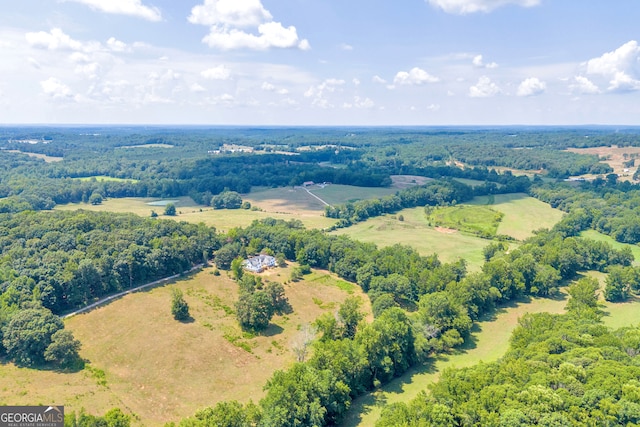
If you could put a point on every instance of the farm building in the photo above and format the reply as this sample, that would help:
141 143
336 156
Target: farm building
259 263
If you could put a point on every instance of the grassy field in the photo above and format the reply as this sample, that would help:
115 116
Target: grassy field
188 210
414 231
476 219
339 194
595 235
47 159
490 340
161 370
522 214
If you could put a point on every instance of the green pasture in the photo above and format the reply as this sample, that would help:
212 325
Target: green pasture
188 210
415 231
335 194
522 214
478 220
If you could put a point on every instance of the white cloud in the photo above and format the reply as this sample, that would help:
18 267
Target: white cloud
416 76
55 88
34 63
356 82
485 88
271 34
472 6
56 39
268 87
583 85
195 87
621 66
319 92
217 73
378 79
531 87
89 70
117 45
228 20
479 63
359 103
235 13
124 7
345 46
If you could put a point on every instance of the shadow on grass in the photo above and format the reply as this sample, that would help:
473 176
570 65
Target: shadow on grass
71 368
272 330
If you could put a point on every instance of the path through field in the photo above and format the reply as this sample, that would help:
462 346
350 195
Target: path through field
128 291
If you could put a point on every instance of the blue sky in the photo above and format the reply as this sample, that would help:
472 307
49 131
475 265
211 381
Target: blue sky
320 62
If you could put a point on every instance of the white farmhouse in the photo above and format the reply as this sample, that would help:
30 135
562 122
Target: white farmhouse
259 263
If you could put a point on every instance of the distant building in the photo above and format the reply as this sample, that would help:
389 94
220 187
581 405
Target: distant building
307 183
259 263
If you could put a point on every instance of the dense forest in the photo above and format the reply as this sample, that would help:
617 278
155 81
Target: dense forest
558 371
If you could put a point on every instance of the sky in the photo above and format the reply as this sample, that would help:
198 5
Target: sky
320 62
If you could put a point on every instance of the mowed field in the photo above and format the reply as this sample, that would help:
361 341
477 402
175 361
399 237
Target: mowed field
522 214
222 219
414 231
284 203
161 370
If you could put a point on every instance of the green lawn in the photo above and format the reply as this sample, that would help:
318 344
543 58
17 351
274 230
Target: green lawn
476 219
414 231
522 214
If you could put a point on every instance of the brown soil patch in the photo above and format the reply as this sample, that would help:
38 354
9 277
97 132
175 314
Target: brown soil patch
615 157
445 230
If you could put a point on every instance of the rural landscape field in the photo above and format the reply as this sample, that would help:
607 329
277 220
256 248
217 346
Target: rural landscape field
252 213
379 285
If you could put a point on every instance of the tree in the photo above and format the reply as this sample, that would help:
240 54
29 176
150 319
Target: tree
63 349
254 310
237 268
584 297
170 209
302 341
95 198
350 315
28 334
179 307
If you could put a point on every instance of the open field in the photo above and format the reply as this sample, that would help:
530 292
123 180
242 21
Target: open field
474 219
405 181
188 210
522 214
614 156
161 370
339 194
490 340
595 235
47 159
414 231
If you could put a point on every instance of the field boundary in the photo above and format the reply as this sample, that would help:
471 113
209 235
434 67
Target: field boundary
105 300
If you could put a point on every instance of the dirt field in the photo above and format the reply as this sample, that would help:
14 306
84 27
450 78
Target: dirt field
614 156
